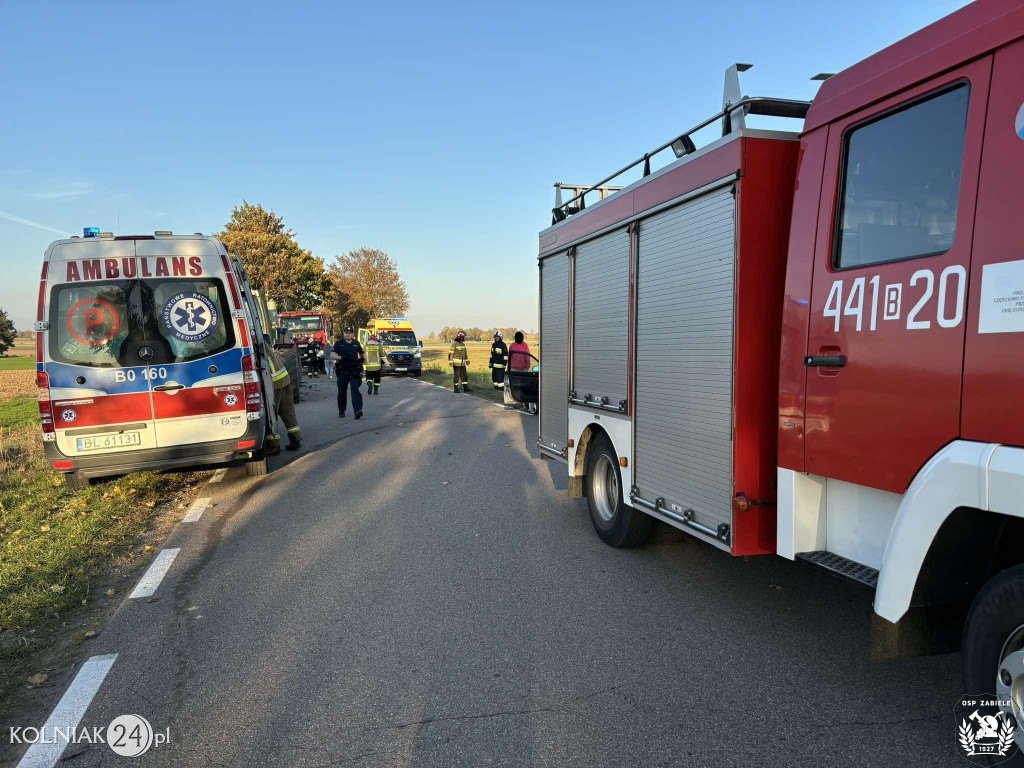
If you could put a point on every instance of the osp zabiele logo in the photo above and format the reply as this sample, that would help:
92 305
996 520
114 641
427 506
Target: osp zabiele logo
985 729
190 316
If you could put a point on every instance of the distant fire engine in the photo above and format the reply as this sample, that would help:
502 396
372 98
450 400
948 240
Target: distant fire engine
813 344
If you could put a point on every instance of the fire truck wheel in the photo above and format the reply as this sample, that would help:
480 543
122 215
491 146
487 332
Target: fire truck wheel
76 482
257 466
993 641
617 523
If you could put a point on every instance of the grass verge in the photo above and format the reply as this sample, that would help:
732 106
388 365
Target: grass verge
56 545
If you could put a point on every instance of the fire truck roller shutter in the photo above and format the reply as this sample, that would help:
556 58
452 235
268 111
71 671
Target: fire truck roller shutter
600 316
684 358
554 340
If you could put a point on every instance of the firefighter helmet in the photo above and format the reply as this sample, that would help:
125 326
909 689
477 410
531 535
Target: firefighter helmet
498 334
460 336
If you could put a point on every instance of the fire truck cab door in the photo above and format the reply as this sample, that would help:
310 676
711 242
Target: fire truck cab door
884 359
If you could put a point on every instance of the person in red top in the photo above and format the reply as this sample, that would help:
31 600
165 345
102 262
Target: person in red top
520 361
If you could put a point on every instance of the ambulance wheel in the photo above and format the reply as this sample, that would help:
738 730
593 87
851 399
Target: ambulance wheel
993 643
76 482
617 523
257 465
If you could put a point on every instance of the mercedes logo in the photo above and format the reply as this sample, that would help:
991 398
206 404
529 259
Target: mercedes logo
146 353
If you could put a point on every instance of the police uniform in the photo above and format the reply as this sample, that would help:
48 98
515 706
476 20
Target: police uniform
349 370
458 359
283 402
498 363
374 352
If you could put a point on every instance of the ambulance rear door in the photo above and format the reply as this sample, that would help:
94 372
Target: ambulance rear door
196 368
96 349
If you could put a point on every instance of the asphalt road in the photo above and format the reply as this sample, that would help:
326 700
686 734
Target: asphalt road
415 589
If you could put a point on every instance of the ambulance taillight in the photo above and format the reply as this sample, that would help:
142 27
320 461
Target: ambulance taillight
45 408
253 402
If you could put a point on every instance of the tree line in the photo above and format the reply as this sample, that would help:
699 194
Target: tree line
356 286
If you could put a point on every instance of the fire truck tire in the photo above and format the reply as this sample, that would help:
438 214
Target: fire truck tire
76 482
257 466
994 630
617 523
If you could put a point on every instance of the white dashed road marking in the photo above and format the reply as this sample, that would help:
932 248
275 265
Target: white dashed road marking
147 586
68 712
196 510
219 475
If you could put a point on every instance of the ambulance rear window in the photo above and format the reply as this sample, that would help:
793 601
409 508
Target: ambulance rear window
192 316
90 323
901 182
139 322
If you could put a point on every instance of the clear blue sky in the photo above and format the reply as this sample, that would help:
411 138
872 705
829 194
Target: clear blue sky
431 130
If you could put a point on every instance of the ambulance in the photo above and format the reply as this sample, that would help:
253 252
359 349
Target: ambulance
402 352
148 356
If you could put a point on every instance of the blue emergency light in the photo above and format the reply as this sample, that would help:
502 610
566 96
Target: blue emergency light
91 232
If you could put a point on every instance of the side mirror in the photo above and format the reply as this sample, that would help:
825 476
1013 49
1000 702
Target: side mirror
421 345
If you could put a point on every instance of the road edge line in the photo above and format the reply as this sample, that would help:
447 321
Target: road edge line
150 581
69 711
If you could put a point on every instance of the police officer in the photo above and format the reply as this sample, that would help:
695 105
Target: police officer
374 352
348 358
283 402
458 359
499 361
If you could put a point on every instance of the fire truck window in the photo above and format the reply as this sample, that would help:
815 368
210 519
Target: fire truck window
901 183
91 322
304 323
191 317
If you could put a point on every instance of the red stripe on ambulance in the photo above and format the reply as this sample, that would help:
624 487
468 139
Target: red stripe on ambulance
103 410
199 401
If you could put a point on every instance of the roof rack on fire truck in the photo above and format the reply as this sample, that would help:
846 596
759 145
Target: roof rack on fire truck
682 145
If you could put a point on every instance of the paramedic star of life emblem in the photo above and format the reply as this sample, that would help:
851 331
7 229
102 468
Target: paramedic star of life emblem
984 730
190 316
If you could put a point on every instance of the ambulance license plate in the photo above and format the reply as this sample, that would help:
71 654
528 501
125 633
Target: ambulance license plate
119 440
401 370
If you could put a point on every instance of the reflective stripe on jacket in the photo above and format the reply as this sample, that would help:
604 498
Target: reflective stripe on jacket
458 355
373 355
278 371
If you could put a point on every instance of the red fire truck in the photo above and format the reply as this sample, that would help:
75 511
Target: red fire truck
812 344
308 325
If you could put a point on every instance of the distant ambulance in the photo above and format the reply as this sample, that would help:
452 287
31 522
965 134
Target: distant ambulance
401 349
148 356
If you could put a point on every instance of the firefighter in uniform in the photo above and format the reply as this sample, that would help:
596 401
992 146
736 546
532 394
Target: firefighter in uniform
499 361
374 352
348 365
283 402
458 359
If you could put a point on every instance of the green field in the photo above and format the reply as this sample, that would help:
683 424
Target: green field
20 363
437 371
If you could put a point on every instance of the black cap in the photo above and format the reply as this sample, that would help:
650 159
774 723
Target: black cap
348 329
